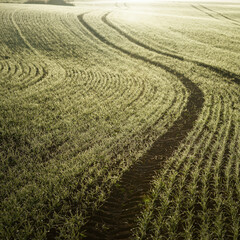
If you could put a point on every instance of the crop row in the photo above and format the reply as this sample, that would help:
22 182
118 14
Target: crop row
67 133
208 144
196 194
78 109
185 37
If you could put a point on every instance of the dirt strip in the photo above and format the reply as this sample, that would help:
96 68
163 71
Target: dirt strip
220 15
222 72
116 218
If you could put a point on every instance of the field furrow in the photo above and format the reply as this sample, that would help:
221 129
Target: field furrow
134 184
192 190
222 72
119 121
206 10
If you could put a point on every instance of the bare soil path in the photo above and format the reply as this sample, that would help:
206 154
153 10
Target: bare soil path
222 72
116 218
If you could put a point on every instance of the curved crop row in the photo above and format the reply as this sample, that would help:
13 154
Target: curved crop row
118 220
215 14
195 194
67 133
185 37
222 72
17 76
88 111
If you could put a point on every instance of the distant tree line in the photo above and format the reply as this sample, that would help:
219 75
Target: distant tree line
53 2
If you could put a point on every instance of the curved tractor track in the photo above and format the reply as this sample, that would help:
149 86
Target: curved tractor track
116 217
223 72
219 16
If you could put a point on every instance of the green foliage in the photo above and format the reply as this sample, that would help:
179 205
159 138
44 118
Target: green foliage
76 113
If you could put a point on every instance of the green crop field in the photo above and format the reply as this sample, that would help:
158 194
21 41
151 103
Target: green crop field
120 120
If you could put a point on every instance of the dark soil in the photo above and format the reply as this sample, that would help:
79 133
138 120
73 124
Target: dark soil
116 218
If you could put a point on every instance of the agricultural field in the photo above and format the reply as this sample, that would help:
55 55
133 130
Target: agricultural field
120 120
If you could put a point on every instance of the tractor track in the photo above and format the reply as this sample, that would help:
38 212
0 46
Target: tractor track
116 217
224 73
218 15
233 21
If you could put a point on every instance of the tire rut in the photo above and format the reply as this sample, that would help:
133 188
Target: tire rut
133 40
233 21
116 217
199 9
224 73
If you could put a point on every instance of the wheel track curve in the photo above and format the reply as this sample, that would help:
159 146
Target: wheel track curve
233 21
223 72
201 10
99 83
205 138
116 217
